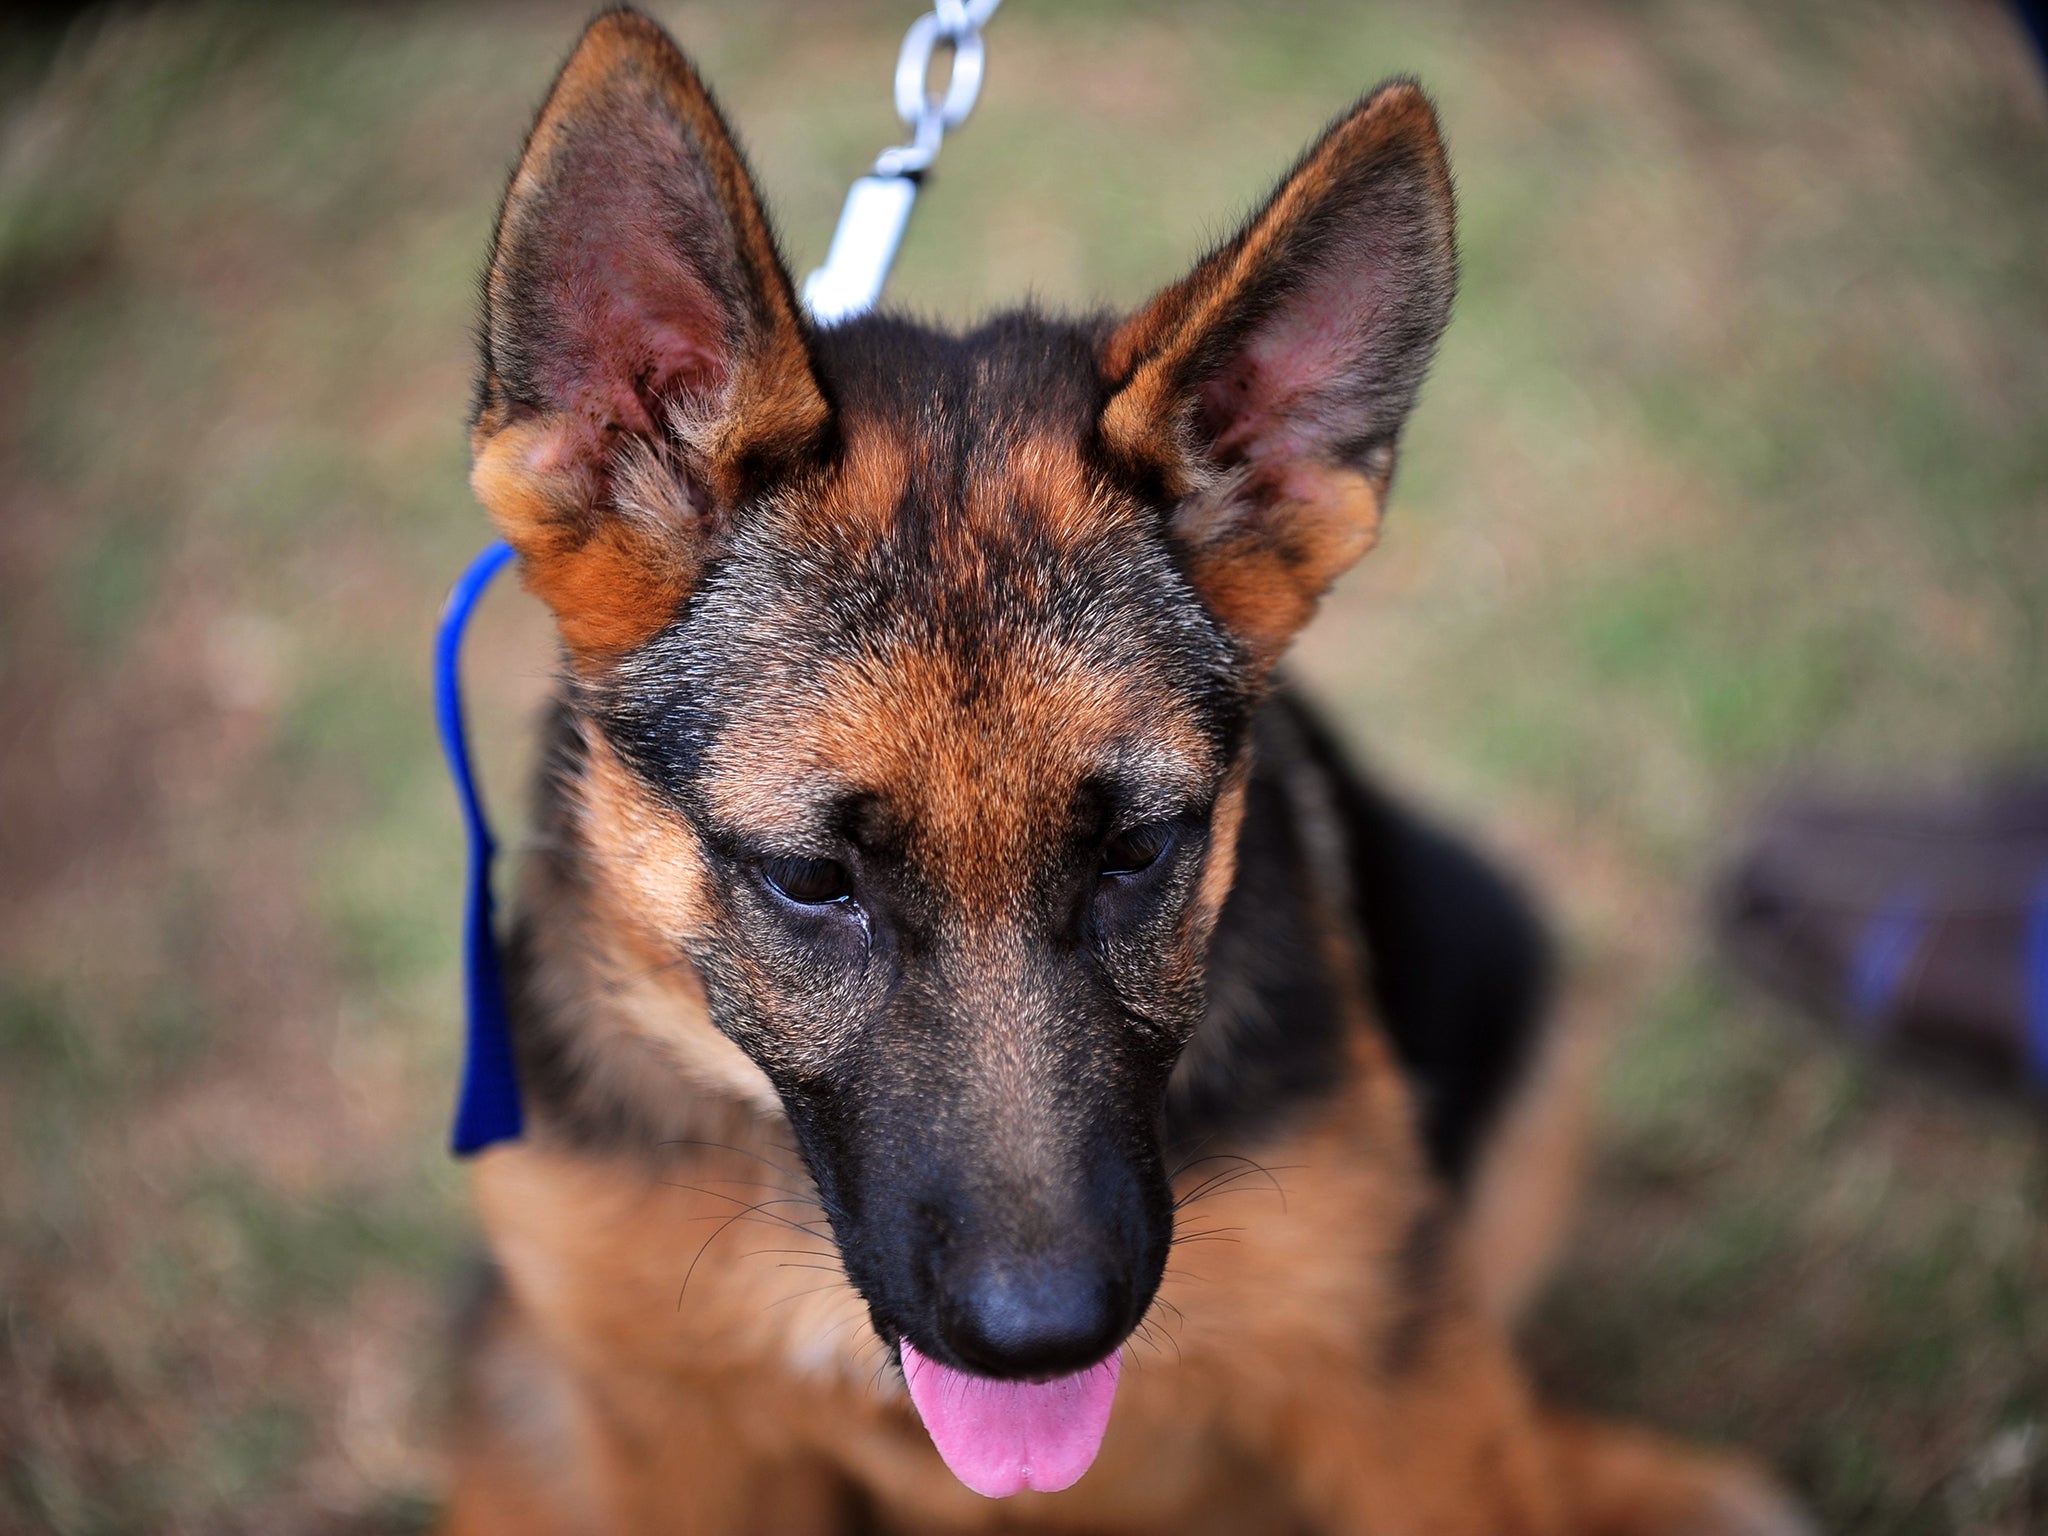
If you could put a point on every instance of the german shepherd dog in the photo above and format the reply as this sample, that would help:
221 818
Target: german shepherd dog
974 1024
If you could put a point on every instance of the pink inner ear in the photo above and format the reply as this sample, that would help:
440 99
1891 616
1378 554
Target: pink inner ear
1273 399
612 256
638 330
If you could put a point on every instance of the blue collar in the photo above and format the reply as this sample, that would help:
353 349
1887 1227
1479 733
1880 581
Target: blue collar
487 1110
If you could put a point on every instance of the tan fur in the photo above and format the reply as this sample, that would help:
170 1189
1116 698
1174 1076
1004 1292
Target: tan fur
612 582
647 890
1266 588
1527 1186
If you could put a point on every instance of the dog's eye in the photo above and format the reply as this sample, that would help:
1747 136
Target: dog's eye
808 882
1132 852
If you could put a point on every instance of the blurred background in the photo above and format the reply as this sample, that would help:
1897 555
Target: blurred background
1734 469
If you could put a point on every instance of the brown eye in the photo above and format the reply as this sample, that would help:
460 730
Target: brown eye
1132 852
807 882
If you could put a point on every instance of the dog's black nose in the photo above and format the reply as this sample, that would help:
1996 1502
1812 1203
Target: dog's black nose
1033 1317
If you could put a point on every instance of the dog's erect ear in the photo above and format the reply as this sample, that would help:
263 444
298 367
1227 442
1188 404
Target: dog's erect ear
644 362
1267 389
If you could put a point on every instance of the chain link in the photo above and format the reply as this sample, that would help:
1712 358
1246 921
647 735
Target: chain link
929 114
878 204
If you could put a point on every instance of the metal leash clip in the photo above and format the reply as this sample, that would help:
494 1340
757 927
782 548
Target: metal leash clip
878 204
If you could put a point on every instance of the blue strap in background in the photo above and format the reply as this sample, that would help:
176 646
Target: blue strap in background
1883 957
487 1109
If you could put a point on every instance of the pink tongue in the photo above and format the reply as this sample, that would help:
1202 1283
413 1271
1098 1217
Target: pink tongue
1001 1437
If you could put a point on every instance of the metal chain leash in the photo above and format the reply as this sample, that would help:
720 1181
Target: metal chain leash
878 204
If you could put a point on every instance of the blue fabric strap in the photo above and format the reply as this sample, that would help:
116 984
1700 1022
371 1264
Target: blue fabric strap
2037 989
487 1109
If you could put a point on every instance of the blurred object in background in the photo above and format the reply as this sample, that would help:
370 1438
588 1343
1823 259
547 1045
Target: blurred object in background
1916 924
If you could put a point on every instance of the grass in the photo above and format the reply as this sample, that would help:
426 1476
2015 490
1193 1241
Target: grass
1735 467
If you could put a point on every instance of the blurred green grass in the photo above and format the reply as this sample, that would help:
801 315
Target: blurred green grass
1735 467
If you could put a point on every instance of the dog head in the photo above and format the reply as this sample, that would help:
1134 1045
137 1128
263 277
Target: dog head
913 671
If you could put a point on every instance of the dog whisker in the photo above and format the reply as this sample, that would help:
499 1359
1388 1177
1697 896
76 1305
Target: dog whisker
783 1301
761 1208
758 1210
1220 1182
1208 1235
772 1188
845 1322
1150 1337
721 1146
